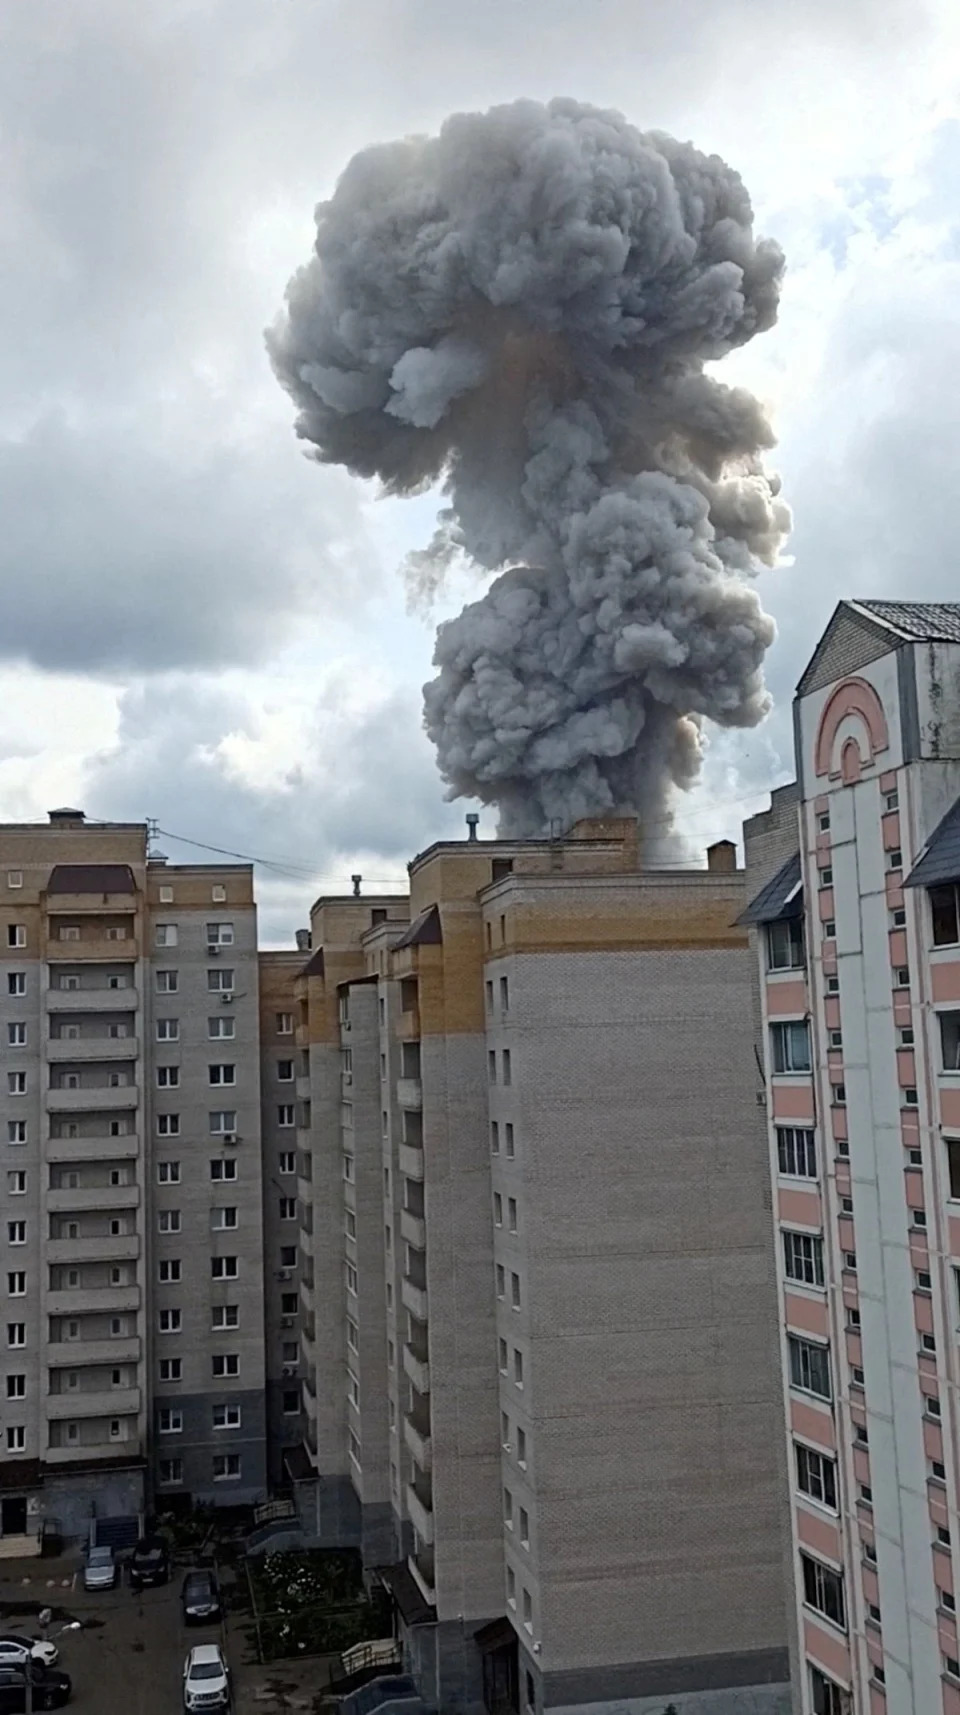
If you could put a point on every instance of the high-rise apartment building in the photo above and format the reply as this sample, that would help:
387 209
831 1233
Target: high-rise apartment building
539 1312
855 881
284 1108
132 1358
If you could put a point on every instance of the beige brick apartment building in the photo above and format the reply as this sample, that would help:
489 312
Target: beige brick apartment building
139 1209
539 1315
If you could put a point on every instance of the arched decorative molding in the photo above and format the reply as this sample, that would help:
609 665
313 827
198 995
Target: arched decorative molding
850 761
853 698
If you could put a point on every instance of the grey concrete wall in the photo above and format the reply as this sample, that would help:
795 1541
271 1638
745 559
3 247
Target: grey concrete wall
362 1139
68 1501
326 1249
198 1442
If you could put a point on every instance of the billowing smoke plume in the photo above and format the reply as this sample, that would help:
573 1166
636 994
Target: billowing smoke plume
523 306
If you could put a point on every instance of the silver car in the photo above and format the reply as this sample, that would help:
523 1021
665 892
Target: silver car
100 1571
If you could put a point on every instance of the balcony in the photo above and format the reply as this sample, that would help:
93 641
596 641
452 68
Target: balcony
414 1299
419 1443
74 1354
105 1247
309 1399
410 1161
304 1089
85 1048
306 1293
408 1025
112 1402
421 1568
410 1094
102 1198
97 1300
94 1000
346 1085
417 1370
105 1098
414 1229
99 1452
420 1514
91 949
126 1148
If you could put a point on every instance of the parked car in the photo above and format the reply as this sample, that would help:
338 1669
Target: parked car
50 1688
100 1571
15 1648
206 1679
149 1562
200 1597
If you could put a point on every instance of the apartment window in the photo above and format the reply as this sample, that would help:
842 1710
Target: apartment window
945 914
290 1402
829 930
517 1367
219 934
168 1221
170 1472
825 877
915 1157
527 1610
928 1343
168 1172
494 1138
501 1281
165 935
16 1438
350 1276
521 1447
284 1022
796 1152
918 1217
524 1527
222 1074
168 1125
220 981
168 1271
946 1602
950 1040
14 877
803 1257
285 1070
952 1147
840 1101
492 1065
507 1064
223 1121
16 1334
16 1131
221 1170
16 1183
497 1209
823 1590
168 1077
511 1587
17 1387
221 1029
225 1364
17 1283
504 994
895 858
785 945
170 1420
224 1267
816 1476
899 918
16 1035
225 1317
16 983
226 1467
931 1405
489 992
502 1356
16 1232
226 1417
168 1029
166 895
224 1218
835 1038
288 1208
791 1046
16 935
286 1114
218 894
68 932
515 1291
901 977
923 1281
289 1303
17 1083
508 1509
170 1321
809 1366
287 1161
943 1536
509 1144
905 1037
833 985
938 1471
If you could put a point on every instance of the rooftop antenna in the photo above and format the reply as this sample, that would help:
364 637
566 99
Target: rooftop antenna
473 821
356 879
154 854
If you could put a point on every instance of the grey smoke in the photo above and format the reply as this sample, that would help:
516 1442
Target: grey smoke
523 307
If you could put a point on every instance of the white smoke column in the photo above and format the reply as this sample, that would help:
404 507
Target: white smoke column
524 307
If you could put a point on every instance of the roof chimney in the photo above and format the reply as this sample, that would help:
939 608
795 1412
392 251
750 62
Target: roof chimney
67 818
302 937
722 857
356 879
472 821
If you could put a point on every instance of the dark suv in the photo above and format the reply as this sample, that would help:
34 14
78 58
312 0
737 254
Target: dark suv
149 1562
51 1688
200 1597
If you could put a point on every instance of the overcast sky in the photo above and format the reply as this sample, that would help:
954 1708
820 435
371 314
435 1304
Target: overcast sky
199 625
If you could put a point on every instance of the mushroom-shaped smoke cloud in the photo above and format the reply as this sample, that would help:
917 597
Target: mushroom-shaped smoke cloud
524 307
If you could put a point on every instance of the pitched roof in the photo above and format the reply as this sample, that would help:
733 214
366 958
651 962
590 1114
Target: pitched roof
425 930
930 621
91 878
940 858
782 897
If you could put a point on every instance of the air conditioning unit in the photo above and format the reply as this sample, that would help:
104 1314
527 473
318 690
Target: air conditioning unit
290 1370
288 1321
226 1000
232 1137
213 949
285 1274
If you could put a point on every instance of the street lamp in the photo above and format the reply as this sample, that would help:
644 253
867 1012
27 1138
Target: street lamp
43 1618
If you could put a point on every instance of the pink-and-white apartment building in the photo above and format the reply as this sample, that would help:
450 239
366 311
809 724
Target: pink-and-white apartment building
854 879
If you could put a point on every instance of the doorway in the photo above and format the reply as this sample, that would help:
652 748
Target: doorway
13 1515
